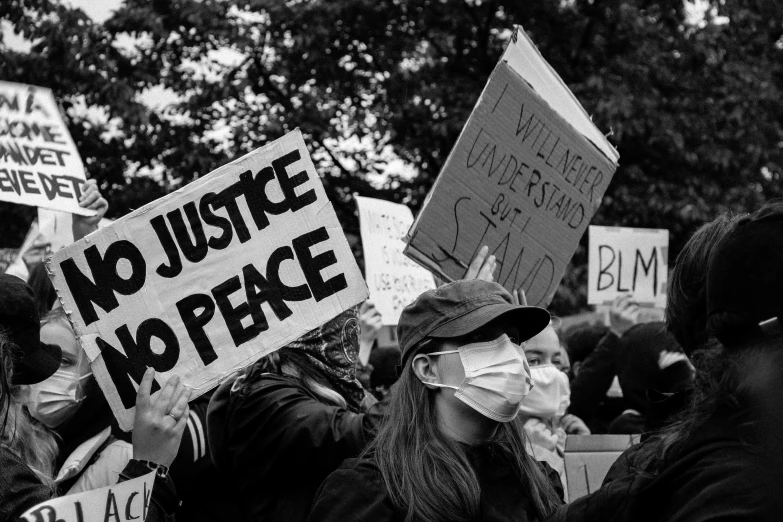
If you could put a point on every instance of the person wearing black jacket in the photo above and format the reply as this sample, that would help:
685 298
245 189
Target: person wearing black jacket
644 357
722 459
277 430
442 455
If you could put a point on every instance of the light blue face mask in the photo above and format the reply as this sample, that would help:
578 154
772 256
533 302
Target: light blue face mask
56 399
497 378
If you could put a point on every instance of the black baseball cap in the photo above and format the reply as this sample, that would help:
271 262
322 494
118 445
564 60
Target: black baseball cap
461 307
33 360
745 278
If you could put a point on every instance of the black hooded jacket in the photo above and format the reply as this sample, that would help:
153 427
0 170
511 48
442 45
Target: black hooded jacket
275 441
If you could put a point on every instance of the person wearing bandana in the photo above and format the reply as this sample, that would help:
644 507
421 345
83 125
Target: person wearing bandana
280 427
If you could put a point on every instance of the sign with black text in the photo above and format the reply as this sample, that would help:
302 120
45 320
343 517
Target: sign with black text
525 177
39 162
207 280
628 260
127 501
394 280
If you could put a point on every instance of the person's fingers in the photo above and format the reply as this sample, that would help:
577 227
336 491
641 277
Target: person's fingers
163 400
477 263
179 391
87 188
522 297
182 420
486 269
181 404
89 199
99 204
143 395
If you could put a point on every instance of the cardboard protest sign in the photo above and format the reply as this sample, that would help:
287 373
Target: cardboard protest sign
127 501
588 459
394 280
57 227
39 163
208 279
525 178
628 260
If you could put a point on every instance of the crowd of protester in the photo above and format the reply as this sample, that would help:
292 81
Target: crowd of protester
465 420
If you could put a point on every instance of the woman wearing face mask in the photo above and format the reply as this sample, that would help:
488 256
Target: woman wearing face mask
277 430
72 406
451 447
543 409
25 458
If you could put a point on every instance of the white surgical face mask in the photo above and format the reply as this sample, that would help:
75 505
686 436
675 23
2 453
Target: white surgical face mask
551 393
497 378
56 399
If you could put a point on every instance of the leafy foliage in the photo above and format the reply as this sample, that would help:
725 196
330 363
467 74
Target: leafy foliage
694 106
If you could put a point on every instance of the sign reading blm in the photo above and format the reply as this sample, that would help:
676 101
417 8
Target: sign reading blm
394 280
210 278
524 178
628 260
39 163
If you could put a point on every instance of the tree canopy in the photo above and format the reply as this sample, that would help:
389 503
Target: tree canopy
381 90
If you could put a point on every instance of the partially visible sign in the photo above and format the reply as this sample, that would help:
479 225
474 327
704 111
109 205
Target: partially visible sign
523 178
628 260
207 280
39 162
57 227
394 280
127 501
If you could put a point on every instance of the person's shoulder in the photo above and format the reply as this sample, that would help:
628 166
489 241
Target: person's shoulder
356 476
354 491
722 481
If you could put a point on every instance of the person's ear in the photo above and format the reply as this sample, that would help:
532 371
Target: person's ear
426 370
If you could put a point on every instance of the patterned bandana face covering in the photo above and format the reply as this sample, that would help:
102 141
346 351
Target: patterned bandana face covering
497 378
334 349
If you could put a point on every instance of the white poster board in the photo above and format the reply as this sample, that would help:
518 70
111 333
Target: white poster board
127 501
39 162
207 280
394 280
628 260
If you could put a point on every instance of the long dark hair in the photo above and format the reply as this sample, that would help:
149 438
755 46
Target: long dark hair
686 305
427 475
722 389
6 370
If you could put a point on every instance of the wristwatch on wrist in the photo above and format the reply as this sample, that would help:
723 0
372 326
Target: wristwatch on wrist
159 469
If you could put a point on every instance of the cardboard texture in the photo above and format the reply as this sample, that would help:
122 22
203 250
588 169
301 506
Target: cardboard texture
39 162
125 502
588 459
628 260
520 179
394 280
207 280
